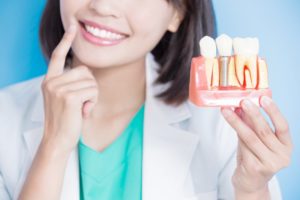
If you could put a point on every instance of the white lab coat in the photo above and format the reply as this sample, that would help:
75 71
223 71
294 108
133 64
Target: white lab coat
189 153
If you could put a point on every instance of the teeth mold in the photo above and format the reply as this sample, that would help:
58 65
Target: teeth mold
225 80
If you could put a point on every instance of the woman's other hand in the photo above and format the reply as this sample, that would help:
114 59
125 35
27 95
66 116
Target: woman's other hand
262 149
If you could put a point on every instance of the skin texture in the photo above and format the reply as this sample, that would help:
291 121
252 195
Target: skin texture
90 92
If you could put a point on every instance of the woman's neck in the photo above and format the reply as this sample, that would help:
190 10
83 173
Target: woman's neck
120 88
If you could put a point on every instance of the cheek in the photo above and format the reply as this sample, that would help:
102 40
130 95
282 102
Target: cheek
68 9
153 20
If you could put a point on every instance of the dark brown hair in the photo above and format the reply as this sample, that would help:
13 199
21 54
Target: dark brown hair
174 52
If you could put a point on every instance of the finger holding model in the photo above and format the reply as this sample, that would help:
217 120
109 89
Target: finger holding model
263 150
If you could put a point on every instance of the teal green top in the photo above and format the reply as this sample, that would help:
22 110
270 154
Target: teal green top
116 172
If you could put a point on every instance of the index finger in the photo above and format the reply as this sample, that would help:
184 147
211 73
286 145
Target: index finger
58 57
279 122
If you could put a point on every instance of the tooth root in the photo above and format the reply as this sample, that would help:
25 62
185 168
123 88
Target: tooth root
208 69
211 69
244 63
216 74
263 81
240 62
248 83
252 65
246 51
232 78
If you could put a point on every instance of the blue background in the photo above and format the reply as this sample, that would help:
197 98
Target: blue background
275 23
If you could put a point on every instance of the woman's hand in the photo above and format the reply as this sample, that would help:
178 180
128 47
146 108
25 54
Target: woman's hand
262 151
68 97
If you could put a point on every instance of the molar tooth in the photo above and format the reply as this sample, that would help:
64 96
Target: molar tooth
246 51
209 50
253 46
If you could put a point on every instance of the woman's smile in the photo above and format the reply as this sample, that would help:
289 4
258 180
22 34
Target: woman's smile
101 35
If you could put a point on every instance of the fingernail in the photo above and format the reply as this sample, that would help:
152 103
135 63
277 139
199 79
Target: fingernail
265 101
238 111
247 104
226 112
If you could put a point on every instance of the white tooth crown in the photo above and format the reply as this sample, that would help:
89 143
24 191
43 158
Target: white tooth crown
245 70
103 33
224 44
239 46
253 45
208 47
246 47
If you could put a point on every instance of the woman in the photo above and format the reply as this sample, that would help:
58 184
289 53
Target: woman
114 122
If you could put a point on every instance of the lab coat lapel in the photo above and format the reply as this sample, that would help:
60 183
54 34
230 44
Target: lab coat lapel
167 154
168 149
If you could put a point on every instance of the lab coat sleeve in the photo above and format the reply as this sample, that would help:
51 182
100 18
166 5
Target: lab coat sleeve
3 190
228 153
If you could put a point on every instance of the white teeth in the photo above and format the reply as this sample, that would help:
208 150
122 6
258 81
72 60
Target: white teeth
254 45
243 70
208 47
239 46
224 44
246 47
103 33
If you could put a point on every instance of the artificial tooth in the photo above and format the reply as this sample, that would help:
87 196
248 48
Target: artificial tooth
224 44
208 50
246 51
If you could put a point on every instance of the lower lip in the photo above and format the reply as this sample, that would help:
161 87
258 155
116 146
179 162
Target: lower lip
99 41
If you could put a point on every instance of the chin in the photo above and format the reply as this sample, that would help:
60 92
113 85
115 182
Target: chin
96 61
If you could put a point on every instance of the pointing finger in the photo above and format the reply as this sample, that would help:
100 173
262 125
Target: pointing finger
58 57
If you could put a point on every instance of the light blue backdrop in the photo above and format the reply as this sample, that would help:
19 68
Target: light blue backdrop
276 23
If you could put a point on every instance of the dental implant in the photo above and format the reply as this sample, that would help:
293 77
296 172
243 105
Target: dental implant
224 45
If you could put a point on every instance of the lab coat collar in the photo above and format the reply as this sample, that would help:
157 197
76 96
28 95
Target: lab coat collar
167 147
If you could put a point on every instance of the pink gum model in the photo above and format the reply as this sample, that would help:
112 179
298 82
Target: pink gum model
202 96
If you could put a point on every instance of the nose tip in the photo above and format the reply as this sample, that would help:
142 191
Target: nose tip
105 8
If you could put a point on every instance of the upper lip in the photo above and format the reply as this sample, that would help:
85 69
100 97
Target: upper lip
103 27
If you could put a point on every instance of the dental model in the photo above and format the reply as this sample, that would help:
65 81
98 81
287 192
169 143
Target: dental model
227 79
